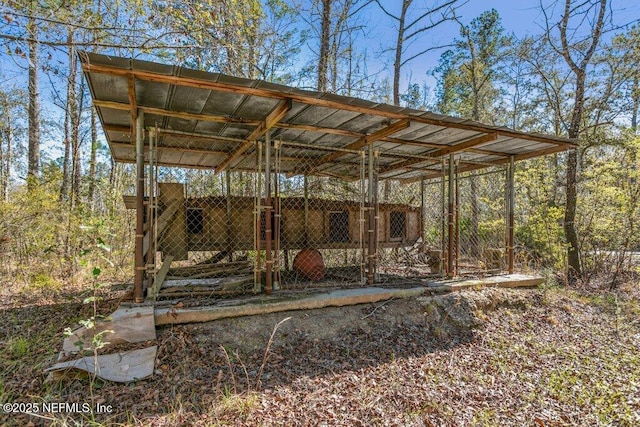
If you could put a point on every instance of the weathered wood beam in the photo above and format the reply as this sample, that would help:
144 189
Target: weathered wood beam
442 152
179 114
312 100
501 162
356 145
272 118
473 142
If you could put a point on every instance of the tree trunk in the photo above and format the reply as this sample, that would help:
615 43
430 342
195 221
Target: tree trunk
5 157
92 161
324 46
397 63
636 103
33 169
74 122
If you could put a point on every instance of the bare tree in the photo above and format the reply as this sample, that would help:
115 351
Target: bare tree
33 171
577 49
409 29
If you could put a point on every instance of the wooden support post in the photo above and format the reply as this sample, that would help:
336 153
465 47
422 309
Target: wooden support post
371 251
267 213
138 283
450 212
510 210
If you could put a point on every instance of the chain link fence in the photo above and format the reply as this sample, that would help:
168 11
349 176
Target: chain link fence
312 224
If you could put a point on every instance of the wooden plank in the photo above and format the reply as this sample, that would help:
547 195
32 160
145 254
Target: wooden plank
174 240
505 281
165 219
204 282
356 145
160 276
166 316
272 118
122 367
133 324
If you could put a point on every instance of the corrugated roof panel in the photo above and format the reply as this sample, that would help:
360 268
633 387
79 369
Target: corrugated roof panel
151 94
198 92
188 99
110 88
115 117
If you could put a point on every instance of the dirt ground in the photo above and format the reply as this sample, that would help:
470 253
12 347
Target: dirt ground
543 357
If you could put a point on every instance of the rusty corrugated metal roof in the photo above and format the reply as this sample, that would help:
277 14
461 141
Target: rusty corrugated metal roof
211 121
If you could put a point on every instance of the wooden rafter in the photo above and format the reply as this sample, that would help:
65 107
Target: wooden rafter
473 142
501 162
178 114
312 100
272 118
132 106
356 145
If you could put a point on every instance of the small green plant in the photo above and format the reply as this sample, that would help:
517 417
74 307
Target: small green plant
19 347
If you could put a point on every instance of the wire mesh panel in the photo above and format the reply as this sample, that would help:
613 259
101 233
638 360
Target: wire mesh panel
318 221
286 218
409 231
480 222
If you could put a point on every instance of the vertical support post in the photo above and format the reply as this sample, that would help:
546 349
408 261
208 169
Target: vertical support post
151 251
138 283
450 212
457 209
306 211
363 206
510 213
443 221
227 175
371 237
423 232
257 278
267 214
276 224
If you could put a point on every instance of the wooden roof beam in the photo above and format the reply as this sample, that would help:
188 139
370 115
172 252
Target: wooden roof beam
356 145
501 162
470 143
178 114
443 152
132 106
272 118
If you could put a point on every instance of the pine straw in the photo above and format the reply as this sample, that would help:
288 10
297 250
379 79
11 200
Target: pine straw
563 358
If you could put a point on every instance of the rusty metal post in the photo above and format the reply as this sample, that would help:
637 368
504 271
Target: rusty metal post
450 212
457 209
306 211
257 274
371 251
267 214
510 211
423 232
138 282
151 251
443 222
276 224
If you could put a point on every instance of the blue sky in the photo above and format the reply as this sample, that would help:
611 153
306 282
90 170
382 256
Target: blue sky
520 17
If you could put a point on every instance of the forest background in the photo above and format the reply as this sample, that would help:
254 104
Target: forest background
574 74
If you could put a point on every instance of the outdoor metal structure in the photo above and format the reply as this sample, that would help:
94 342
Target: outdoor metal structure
283 161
